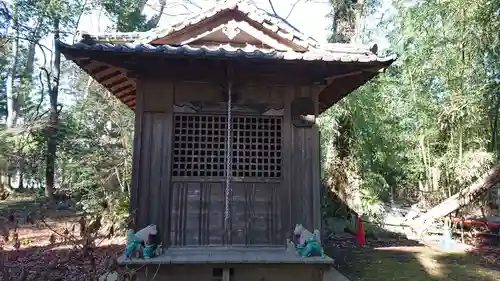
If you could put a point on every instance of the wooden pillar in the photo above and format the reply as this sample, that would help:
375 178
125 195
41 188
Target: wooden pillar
302 161
316 165
286 188
136 154
150 192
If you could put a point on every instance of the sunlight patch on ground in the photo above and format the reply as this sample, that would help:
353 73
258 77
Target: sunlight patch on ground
430 264
413 263
399 249
425 256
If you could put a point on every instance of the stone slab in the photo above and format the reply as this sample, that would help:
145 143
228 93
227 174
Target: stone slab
226 255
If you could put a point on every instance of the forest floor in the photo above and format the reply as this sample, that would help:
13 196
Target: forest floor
49 248
407 260
45 252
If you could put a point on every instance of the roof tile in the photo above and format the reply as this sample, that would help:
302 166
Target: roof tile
269 22
332 54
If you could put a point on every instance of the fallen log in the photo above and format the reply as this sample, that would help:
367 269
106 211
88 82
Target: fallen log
473 222
461 199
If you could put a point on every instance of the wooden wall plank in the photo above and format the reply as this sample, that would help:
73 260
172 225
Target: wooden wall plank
216 210
303 174
168 90
256 214
150 195
197 213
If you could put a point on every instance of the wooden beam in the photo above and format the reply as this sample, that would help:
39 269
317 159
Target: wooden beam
276 35
111 69
343 77
244 72
339 88
114 80
122 86
80 60
209 69
190 31
128 98
93 65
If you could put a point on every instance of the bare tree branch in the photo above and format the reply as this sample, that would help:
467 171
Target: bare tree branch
274 14
31 40
193 3
79 18
42 96
171 5
291 9
272 8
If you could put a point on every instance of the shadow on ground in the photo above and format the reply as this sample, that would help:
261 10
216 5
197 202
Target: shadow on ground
18 204
408 260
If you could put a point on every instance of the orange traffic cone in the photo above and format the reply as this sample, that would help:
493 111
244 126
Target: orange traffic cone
360 233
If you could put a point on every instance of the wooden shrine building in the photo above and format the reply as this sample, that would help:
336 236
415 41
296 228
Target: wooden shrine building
226 148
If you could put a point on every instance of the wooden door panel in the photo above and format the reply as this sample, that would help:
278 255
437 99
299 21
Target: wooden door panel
197 215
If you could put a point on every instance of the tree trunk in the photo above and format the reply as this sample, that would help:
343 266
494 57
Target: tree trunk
461 199
12 100
52 129
358 22
347 21
494 125
34 39
155 19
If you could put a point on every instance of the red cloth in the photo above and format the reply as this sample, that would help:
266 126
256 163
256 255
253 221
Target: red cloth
360 233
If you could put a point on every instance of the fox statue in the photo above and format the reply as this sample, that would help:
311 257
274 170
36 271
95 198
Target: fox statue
309 244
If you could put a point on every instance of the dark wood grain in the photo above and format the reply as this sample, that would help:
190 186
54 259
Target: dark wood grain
275 179
198 213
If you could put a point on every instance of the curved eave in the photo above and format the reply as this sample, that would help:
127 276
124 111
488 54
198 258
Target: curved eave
340 88
118 81
112 78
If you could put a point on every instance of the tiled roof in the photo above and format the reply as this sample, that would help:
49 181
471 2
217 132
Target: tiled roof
114 37
334 52
274 24
300 49
269 22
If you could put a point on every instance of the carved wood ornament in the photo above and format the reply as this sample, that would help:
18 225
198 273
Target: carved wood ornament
231 29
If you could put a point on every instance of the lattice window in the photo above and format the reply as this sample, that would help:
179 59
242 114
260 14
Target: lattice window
257 147
200 146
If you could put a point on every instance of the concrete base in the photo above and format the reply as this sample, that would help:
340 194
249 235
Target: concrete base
235 273
233 264
329 274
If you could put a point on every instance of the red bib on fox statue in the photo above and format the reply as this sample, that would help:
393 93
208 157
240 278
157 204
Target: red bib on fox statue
360 233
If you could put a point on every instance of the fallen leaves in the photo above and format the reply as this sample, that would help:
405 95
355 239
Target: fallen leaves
57 264
48 250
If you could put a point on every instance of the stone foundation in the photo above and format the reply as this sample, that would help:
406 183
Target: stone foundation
231 264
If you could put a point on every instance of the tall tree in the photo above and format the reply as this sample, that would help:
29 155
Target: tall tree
52 128
12 97
59 13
